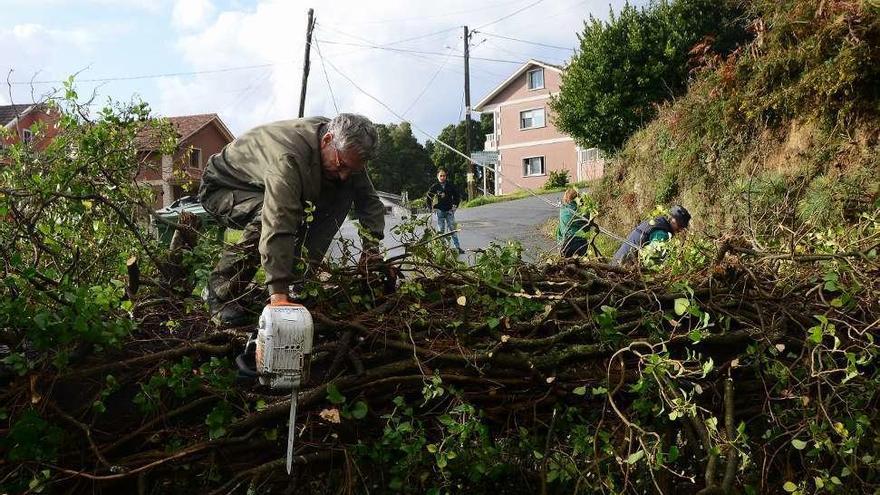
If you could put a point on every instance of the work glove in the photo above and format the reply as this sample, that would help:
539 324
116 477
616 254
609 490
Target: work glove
370 259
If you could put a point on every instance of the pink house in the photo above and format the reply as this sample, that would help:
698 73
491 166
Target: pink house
177 175
529 146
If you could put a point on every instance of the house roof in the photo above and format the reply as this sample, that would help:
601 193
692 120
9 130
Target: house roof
8 113
185 126
498 89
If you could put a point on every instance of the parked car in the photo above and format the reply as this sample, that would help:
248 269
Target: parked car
164 231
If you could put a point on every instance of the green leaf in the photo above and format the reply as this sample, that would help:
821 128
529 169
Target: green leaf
359 411
789 487
432 448
333 394
708 366
493 322
681 305
635 457
798 444
579 391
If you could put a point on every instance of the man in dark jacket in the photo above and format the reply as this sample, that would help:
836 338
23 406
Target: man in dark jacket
658 229
443 197
270 182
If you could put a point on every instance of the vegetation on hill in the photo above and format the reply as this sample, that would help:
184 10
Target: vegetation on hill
785 129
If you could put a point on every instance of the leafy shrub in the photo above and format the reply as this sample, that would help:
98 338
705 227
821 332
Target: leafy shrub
635 60
557 178
71 221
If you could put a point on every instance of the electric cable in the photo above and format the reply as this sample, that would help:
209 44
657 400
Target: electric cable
326 76
153 76
404 50
428 85
508 16
485 33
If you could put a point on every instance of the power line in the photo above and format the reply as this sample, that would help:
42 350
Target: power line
428 85
423 18
390 43
153 76
404 50
326 77
524 41
508 16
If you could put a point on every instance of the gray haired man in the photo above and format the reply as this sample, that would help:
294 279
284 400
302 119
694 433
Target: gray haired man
266 182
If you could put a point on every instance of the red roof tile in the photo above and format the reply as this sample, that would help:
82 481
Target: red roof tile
184 125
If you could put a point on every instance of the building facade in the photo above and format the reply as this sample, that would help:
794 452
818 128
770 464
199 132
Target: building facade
528 144
176 175
35 123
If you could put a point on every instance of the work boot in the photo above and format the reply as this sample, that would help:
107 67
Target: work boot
230 315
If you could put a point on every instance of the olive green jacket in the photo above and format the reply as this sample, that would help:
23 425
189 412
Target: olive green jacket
283 161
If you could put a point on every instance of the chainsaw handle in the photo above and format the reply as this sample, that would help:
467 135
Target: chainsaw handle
243 368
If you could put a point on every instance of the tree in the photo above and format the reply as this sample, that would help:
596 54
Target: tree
634 61
401 162
455 164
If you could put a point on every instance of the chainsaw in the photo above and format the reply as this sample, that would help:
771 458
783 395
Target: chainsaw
280 351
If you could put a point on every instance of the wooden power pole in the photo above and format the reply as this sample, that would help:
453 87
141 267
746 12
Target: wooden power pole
471 183
302 92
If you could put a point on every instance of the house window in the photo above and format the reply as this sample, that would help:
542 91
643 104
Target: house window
195 158
536 78
531 119
533 166
27 136
588 155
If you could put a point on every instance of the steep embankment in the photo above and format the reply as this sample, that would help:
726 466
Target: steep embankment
785 130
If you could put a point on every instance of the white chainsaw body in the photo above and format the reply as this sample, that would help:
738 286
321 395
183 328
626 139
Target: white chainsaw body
284 339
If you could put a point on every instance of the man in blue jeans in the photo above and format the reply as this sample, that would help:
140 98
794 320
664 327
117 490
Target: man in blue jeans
444 198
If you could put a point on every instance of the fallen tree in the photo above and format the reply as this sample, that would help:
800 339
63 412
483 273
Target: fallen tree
504 376
725 366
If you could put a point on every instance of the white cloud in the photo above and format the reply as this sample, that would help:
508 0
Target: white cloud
190 14
273 32
32 50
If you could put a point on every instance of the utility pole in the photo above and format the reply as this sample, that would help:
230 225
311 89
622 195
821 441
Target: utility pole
471 184
302 92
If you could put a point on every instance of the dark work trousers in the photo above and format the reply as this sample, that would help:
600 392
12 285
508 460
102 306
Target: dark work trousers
242 210
574 246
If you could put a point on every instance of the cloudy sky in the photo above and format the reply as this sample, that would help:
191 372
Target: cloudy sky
242 59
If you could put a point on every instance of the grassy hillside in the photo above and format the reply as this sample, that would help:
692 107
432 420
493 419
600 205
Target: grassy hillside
785 130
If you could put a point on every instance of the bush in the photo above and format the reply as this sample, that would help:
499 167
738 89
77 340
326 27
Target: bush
635 60
557 178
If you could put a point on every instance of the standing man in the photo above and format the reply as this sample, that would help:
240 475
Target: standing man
289 185
658 229
444 198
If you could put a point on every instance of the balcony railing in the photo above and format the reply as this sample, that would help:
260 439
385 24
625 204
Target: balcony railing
491 142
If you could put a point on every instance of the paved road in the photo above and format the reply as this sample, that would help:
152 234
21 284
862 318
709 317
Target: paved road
518 220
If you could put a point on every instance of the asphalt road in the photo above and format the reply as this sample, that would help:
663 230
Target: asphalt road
517 220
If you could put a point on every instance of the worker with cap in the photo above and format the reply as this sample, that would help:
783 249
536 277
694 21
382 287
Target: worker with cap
659 229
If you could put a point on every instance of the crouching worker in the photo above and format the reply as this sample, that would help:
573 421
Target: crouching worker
658 229
265 181
570 233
